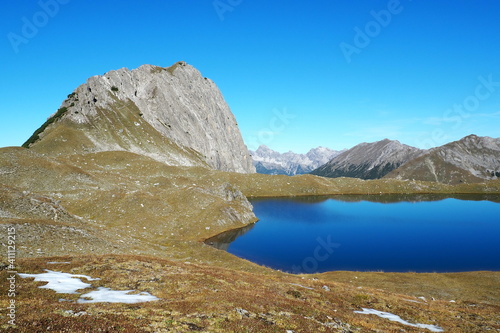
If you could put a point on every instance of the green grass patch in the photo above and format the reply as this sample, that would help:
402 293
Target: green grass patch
172 68
36 135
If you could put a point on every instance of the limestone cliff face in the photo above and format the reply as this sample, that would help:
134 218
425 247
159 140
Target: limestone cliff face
173 115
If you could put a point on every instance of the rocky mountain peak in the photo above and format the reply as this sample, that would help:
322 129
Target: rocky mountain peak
470 159
480 142
263 149
269 161
369 160
174 115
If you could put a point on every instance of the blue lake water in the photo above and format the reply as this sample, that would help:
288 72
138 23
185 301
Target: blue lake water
371 233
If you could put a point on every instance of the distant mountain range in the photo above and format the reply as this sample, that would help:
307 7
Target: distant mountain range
271 162
471 159
369 160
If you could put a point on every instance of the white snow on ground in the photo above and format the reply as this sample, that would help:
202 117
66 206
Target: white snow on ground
299 285
398 319
411 300
116 296
58 262
66 283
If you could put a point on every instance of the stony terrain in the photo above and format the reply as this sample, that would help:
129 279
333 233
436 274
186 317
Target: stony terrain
205 298
369 160
111 205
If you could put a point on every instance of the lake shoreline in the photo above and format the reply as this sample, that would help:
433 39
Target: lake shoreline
437 250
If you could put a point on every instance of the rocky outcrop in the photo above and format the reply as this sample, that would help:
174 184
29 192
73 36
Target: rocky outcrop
369 160
173 115
223 240
471 159
268 161
118 197
16 204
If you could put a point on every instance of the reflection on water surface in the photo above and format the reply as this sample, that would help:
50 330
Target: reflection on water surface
422 233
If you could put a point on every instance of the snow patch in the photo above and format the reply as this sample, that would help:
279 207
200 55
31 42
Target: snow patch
63 283
411 300
396 318
58 262
66 283
103 294
290 163
299 285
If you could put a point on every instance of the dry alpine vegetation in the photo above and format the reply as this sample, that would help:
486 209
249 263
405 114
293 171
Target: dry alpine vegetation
206 298
136 223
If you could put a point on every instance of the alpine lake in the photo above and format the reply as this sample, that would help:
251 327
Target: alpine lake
389 233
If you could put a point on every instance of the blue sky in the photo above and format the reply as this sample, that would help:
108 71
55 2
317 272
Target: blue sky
296 74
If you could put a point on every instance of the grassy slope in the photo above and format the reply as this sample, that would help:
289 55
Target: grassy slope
117 205
120 127
259 185
468 287
213 299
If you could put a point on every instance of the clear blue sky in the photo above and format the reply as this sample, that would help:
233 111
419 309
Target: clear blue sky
296 74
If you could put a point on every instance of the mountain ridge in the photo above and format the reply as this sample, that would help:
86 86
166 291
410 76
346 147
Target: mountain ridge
268 161
470 159
173 115
369 160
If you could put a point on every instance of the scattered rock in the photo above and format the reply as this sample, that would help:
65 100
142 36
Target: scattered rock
243 312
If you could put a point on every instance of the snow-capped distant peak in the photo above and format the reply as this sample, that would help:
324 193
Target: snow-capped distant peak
269 161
